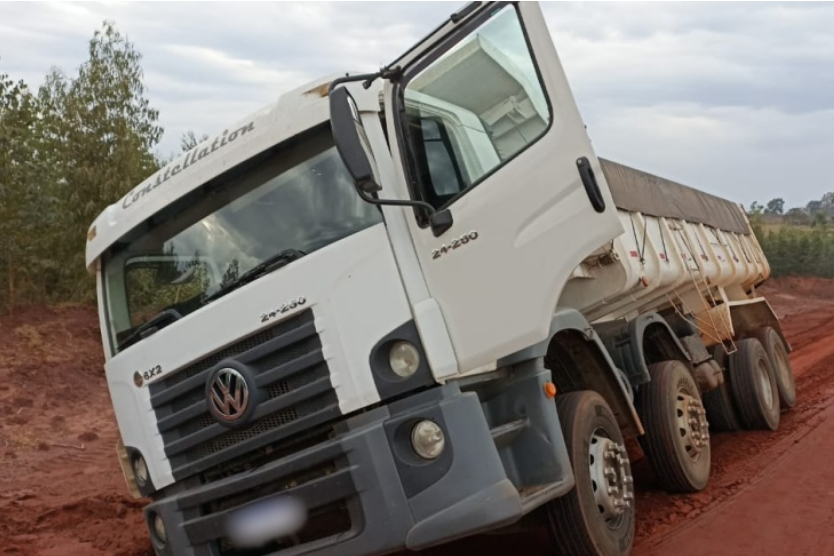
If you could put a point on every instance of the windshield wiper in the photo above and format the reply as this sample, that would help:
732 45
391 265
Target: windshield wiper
153 325
272 263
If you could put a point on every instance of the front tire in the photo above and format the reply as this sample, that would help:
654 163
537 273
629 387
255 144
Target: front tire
597 517
677 434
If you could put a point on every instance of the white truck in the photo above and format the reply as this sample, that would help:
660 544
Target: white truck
396 309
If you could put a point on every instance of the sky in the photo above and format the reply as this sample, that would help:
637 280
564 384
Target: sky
733 98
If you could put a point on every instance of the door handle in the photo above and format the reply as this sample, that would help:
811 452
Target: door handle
590 183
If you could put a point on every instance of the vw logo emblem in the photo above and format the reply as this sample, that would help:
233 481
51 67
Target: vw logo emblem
228 395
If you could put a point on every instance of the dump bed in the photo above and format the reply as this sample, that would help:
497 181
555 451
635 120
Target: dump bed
681 248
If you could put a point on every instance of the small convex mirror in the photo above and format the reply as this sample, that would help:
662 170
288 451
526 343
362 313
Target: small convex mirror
351 141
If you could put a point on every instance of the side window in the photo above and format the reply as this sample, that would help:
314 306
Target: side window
473 108
438 161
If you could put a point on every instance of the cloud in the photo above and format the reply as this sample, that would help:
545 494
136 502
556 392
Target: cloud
734 98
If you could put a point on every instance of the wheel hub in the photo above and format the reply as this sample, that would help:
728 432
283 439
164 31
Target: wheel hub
611 477
692 424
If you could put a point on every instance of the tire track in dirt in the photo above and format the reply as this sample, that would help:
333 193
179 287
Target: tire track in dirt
791 496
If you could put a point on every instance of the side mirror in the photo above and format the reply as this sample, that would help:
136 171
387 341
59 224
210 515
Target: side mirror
354 150
351 141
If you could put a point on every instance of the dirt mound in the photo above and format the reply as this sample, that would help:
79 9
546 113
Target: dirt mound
61 489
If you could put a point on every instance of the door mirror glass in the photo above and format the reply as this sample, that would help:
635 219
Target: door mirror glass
351 141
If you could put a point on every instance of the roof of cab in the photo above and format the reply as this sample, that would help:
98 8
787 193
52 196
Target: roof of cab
293 113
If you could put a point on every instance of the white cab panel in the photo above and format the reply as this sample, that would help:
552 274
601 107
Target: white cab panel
531 216
354 290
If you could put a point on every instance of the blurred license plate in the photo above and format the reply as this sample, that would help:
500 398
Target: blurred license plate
260 522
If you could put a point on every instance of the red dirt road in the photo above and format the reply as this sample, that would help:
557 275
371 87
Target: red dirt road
62 493
785 510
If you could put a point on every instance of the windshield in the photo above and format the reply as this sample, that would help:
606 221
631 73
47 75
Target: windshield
298 200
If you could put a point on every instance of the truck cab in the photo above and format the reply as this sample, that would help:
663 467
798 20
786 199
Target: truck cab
339 326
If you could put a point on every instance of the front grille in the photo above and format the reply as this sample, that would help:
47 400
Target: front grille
323 522
288 367
317 474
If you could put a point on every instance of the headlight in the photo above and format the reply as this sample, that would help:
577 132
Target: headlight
428 440
140 470
404 359
159 529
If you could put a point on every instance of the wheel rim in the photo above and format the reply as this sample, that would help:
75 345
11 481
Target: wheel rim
764 383
692 424
611 478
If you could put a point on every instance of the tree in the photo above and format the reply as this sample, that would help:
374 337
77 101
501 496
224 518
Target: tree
101 129
820 220
189 140
824 205
775 206
19 203
827 203
755 208
797 217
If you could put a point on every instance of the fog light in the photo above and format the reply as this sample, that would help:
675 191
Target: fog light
140 470
404 359
428 440
159 529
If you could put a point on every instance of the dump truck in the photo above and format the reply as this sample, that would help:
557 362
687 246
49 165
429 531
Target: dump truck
398 308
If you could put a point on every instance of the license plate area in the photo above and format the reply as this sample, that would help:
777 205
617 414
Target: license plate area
267 520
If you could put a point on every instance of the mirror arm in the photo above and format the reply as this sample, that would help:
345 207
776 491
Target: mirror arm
368 77
390 73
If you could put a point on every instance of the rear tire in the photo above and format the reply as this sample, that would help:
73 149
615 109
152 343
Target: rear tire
677 434
781 365
754 386
596 518
719 403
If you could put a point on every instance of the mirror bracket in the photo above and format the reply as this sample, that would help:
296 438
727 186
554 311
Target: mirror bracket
441 221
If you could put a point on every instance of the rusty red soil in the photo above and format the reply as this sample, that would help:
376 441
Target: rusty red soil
62 492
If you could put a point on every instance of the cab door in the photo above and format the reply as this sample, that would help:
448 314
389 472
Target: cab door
483 125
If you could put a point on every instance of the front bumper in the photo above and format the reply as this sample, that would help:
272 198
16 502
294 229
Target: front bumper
366 477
